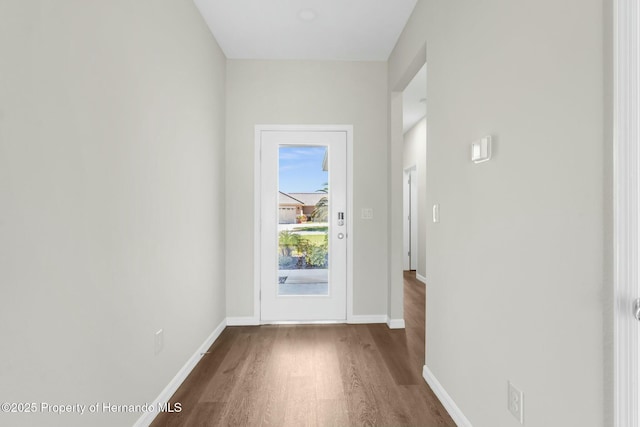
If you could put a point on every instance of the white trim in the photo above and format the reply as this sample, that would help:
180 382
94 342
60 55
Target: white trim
243 321
395 323
348 129
302 322
257 224
147 418
372 318
421 278
625 157
350 235
447 401
406 212
376 318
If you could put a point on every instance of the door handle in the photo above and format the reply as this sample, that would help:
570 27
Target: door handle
636 309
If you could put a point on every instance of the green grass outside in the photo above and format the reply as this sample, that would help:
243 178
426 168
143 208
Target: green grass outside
315 239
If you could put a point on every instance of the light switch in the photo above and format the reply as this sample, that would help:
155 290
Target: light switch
367 213
436 213
481 150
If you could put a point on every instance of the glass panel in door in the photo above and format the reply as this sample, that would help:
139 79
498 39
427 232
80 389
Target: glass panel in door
303 221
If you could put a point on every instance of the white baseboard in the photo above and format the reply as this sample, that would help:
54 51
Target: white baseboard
377 318
302 322
395 323
446 400
242 321
421 278
374 318
147 418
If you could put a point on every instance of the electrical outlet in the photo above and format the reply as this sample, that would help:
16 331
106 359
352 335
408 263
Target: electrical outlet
436 213
367 213
158 343
516 402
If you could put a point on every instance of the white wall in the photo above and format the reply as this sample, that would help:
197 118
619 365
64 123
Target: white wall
308 92
415 154
111 186
515 267
609 261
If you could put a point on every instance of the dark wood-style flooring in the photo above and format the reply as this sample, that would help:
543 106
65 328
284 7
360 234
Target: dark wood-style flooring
314 375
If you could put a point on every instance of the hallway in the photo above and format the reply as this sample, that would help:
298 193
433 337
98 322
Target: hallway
324 375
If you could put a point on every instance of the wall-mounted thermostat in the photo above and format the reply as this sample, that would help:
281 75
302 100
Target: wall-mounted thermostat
481 150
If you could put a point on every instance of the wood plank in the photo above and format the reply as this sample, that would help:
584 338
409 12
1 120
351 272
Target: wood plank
205 415
228 374
427 409
333 413
189 392
247 400
278 373
301 404
414 315
379 380
328 379
391 344
364 376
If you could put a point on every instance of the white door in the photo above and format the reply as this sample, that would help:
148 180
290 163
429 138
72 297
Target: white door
303 263
413 219
410 195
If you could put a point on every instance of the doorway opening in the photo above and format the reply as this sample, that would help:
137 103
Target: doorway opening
405 122
414 162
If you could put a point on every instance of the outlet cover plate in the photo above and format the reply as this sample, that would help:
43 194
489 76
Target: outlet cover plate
516 402
158 342
436 213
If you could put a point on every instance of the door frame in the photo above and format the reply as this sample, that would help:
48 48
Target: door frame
409 232
626 107
257 170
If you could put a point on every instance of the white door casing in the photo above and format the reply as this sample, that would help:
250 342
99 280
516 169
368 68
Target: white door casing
410 216
626 211
406 229
413 224
275 307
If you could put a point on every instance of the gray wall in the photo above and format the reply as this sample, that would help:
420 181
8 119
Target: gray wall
111 186
515 267
308 92
415 154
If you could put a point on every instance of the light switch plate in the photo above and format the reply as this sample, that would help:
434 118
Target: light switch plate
367 213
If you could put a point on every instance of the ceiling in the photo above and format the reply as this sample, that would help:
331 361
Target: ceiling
414 100
349 30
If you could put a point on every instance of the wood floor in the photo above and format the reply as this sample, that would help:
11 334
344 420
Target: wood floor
314 375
